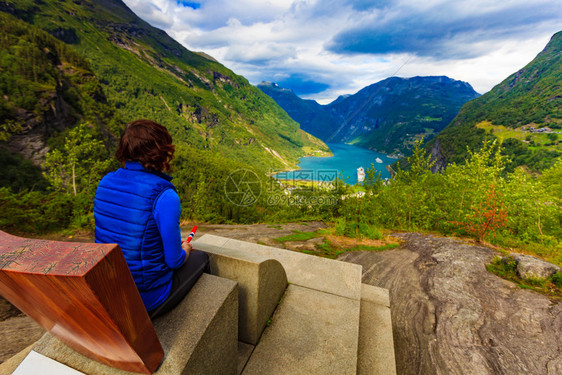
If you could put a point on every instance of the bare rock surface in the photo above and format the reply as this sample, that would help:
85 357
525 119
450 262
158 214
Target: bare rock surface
451 316
264 234
530 267
17 330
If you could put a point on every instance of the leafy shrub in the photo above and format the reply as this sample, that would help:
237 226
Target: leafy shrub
489 216
354 229
34 212
339 226
557 279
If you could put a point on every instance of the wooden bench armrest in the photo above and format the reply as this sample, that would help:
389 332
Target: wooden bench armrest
84 295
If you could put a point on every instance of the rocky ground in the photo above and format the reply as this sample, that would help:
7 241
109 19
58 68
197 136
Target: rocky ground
17 331
450 316
260 233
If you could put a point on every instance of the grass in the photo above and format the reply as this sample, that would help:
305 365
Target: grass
548 250
506 268
313 151
335 245
309 252
355 229
328 250
299 236
540 140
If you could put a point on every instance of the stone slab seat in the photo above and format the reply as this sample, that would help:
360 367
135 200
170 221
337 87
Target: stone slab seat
315 328
35 363
326 275
70 290
199 335
261 283
311 333
376 343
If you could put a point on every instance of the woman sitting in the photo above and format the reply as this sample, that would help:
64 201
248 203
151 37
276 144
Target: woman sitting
137 207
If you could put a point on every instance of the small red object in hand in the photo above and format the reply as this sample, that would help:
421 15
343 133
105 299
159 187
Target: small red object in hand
190 237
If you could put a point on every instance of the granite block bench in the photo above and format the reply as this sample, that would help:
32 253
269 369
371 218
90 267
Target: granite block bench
261 284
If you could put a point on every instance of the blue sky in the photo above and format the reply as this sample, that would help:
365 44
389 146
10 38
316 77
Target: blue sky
325 48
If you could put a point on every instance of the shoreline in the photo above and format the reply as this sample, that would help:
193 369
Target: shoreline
390 170
326 155
390 156
331 155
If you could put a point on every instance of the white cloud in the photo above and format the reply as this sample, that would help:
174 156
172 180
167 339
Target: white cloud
153 12
335 47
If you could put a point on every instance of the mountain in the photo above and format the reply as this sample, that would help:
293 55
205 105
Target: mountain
386 116
313 117
143 73
529 98
389 115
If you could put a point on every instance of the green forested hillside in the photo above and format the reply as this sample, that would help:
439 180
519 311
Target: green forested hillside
477 198
403 110
47 88
145 73
531 97
73 73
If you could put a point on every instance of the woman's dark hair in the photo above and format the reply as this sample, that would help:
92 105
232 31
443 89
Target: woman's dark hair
147 142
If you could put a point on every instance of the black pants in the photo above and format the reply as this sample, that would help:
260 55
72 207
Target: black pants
183 280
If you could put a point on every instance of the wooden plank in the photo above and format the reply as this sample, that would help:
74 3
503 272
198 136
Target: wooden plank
84 295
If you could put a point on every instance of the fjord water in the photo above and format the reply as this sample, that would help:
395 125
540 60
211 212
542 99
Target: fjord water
347 158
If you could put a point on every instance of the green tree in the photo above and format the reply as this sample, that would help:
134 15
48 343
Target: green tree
81 162
552 179
420 162
8 128
199 200
373 181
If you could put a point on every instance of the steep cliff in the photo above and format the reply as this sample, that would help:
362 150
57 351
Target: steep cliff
46 88
312 117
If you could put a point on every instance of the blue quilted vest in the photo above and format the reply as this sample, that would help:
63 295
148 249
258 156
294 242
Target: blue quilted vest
124 214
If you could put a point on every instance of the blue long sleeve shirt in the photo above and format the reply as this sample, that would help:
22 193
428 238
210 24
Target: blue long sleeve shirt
167 210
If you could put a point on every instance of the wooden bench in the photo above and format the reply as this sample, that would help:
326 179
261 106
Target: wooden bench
84 295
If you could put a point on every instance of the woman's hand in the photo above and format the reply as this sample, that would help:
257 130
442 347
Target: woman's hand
187 247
